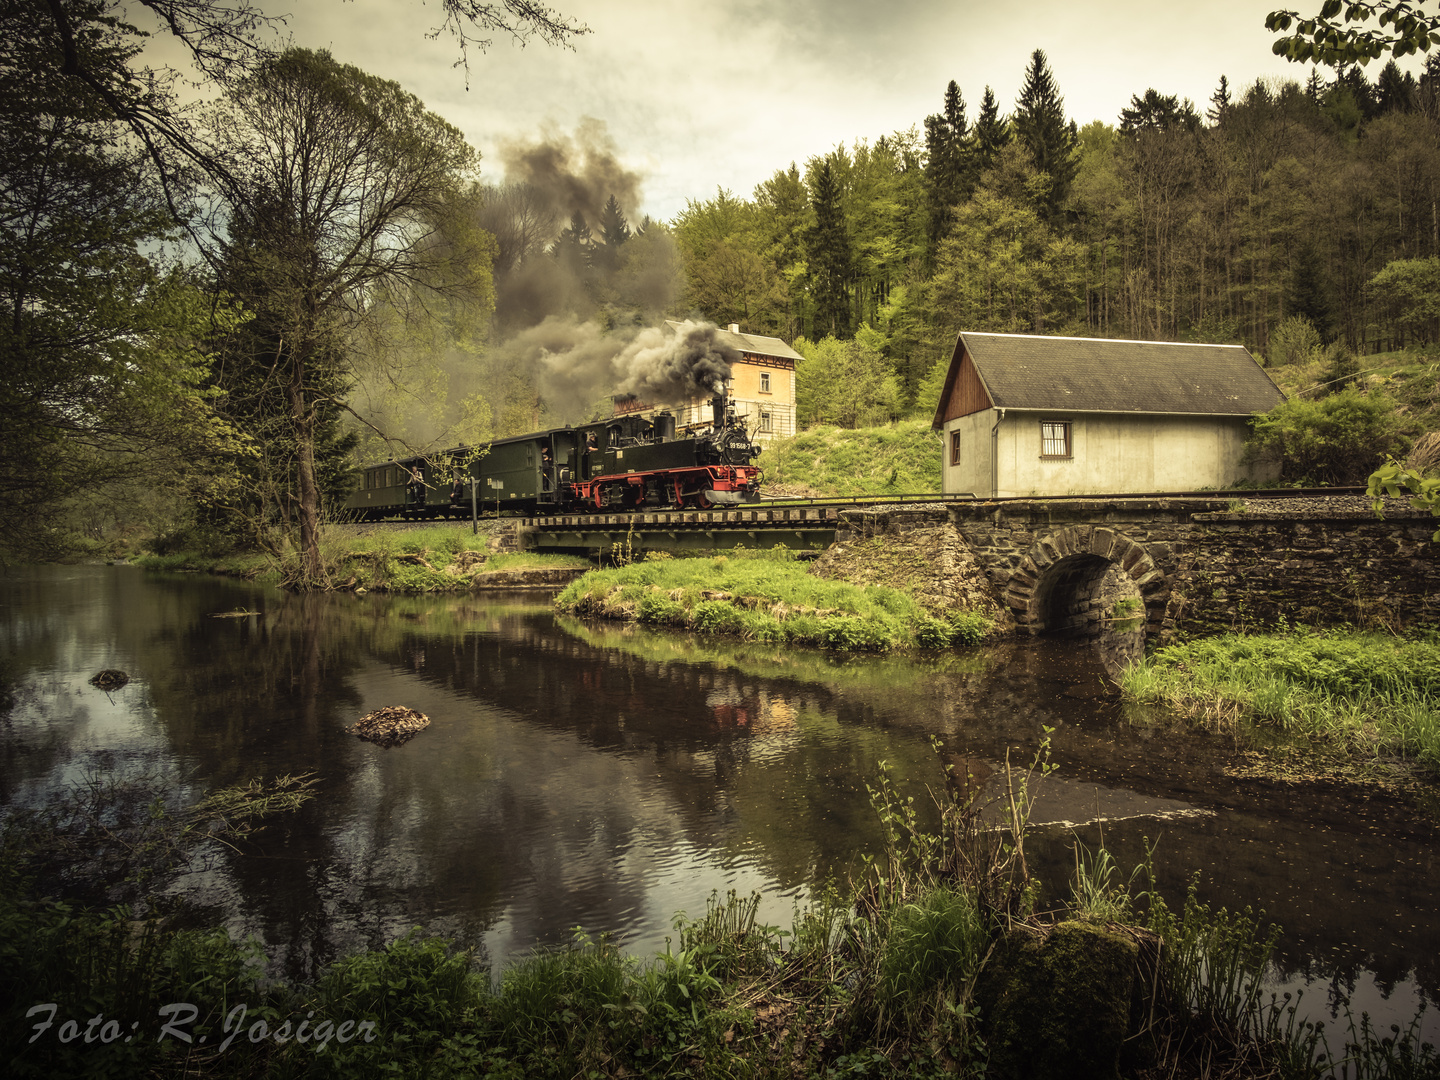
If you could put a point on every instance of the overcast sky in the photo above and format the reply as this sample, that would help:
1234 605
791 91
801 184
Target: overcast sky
704 93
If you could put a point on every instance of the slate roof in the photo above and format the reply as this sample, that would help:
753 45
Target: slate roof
1106 376
755 344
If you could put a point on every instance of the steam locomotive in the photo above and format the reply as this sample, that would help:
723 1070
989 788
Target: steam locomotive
625 463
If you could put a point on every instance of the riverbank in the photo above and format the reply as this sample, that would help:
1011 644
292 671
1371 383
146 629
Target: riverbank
768 596
421 559
1337 698
933 965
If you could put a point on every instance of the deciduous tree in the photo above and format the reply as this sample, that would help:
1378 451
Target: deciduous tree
1401 28
350 202
102 345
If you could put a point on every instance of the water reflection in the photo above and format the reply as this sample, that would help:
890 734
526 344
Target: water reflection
607 776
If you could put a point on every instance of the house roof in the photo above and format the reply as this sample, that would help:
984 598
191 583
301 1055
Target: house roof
1060 374
755 344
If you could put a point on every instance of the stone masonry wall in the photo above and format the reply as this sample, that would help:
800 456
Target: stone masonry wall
1212 570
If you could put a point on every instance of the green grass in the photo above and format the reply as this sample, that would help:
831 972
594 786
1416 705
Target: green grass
901 458
1368 693
766 597
427 558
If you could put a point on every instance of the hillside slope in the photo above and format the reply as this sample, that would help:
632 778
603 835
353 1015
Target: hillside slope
902 458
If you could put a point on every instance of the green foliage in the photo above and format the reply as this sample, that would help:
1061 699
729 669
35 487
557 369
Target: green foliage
1043 129
1214 962
1095 895
900 458
1295 341
845 383
730 269
934 948
1369 692
356 188
828 254
766 599
104 344
1335 440
1404 27
1411 288
1395 480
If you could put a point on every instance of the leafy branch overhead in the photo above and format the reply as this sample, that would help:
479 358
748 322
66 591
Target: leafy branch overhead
1404 29
1394 480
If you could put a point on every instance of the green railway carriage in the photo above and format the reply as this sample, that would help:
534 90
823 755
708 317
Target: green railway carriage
625 462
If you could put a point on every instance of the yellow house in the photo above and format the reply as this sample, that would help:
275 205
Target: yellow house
761 388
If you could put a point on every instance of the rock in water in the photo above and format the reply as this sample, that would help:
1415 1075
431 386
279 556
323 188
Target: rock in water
391 726
109 679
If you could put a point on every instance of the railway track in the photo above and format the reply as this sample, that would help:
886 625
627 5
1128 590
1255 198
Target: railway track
1349 499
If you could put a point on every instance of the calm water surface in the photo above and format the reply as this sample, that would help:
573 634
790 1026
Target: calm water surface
602 777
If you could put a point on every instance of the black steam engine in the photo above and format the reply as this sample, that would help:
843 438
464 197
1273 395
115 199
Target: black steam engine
621 464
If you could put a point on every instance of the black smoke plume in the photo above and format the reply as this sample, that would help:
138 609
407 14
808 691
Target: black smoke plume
577 364
573 174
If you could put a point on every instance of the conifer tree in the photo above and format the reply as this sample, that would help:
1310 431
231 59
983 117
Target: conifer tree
827 245
575 244
1041 126
992 133
1219 103
614 231
1395 89
945 165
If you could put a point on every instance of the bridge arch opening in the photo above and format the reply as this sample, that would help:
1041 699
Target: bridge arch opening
1085 595
1084 582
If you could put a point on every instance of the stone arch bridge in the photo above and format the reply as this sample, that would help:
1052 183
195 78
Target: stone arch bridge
1180 564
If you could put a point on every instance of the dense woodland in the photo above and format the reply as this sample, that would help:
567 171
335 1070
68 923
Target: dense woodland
212 314
1278 201
1280 215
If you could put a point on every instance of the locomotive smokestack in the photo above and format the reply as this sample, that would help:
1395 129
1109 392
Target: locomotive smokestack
717 409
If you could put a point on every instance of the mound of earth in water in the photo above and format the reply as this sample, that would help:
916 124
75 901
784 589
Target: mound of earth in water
109 679
391 726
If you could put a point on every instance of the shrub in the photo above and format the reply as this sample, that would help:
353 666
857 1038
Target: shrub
717 617
661 610
1338 439
1294 341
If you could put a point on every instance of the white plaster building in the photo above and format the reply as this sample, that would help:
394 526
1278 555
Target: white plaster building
1029 415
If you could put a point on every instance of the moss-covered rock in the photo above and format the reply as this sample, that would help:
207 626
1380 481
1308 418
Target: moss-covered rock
1056 1005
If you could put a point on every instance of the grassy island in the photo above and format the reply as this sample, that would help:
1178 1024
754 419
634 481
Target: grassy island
771 597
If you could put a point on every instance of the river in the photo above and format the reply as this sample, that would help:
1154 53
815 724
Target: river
607 777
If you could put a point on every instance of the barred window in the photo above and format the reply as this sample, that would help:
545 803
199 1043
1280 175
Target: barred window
1055 439
954 448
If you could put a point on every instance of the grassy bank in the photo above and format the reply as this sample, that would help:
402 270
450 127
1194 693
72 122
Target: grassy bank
904 975
427 558
899 458
1365 694
769 597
